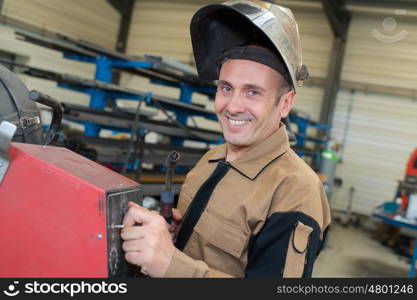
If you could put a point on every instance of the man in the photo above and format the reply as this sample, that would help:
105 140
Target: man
252 207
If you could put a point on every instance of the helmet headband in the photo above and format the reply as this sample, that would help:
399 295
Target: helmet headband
256 54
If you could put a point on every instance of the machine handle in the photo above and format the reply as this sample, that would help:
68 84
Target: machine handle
167 195
47 100
171 162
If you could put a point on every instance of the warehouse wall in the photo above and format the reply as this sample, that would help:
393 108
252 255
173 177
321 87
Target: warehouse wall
161 28
380 132
94 20
44 58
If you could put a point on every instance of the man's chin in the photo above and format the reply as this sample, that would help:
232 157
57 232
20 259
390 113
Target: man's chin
238 142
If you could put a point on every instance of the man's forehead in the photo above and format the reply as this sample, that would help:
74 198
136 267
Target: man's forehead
246 72
244 85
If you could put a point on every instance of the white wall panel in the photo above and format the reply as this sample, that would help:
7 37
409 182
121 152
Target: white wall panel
380 135
372 56
47 59
381 131
162 28
95 21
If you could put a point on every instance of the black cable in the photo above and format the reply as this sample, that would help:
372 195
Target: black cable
194 122
140 145
182 126
134 133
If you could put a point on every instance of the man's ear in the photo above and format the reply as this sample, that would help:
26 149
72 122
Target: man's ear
286 102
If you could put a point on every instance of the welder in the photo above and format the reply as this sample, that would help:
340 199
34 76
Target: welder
250 207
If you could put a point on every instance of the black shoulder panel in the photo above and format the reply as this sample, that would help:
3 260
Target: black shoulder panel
268 249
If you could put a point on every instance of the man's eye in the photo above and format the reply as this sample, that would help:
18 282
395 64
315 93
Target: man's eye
225 89
253 93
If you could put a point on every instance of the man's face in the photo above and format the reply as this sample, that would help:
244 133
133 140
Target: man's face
246 102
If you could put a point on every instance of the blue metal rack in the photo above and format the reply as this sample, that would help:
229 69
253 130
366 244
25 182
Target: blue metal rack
303 123
104 73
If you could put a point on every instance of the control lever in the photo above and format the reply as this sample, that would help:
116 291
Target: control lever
167 194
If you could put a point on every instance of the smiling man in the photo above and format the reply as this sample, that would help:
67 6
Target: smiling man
251 207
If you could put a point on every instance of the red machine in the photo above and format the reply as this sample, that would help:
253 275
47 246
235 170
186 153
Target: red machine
409 185
57 215
57 208
411 172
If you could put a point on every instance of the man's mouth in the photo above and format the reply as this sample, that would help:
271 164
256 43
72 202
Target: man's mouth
238 122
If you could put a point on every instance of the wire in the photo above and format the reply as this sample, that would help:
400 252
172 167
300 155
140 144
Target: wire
194 122
134 133
182 126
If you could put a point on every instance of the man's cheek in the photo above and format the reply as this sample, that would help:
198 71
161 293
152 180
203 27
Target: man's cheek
219 104
218 108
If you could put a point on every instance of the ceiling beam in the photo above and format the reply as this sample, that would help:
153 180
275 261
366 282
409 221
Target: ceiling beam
126 11
339 20
115 4
338 16
393 4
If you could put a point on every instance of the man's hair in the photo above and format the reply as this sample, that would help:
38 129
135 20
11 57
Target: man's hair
285 87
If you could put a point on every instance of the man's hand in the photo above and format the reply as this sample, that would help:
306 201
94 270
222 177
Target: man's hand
149 245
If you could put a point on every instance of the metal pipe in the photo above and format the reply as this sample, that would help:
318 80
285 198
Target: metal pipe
57 110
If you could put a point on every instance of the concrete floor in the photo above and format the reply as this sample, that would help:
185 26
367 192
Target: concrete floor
351 252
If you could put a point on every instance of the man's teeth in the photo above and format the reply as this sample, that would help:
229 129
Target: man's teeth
238 122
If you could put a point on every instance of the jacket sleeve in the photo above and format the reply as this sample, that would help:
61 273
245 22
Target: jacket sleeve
286 246
183 266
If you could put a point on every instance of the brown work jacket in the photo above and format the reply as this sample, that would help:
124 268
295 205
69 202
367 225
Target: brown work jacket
266 216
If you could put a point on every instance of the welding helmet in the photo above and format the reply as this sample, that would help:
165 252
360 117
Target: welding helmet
216 28
17 108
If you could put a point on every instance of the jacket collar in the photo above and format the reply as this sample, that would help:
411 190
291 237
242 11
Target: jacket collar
255 160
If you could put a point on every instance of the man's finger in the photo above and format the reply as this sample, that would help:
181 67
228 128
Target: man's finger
134 257
131 203
176 215
133 233
133 245
137 214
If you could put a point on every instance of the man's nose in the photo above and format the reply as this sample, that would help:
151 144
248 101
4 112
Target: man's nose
235 104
